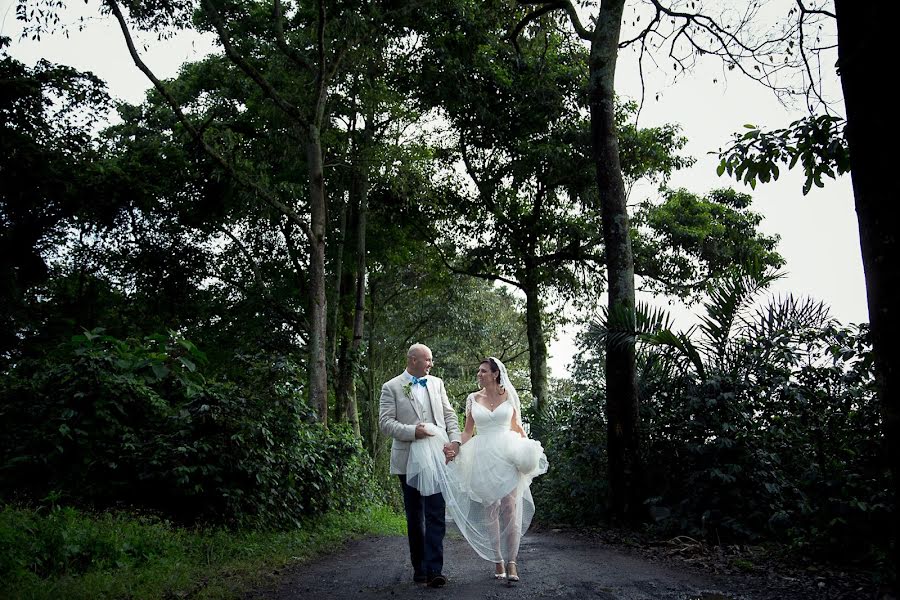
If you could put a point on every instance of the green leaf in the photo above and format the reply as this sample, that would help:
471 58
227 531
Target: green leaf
160 371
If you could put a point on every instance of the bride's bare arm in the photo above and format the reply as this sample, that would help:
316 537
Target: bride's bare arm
469 430
514 425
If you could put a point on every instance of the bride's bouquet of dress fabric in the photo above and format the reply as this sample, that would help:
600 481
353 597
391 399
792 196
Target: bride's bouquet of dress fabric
526 455
425 469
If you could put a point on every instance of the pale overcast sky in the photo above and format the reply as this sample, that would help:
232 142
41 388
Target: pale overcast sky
819 236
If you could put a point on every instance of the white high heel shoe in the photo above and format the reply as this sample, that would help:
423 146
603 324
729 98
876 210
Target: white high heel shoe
502 574
513 577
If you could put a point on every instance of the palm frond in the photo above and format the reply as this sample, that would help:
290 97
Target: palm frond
623 326
728 298
783 323
681 343
788 314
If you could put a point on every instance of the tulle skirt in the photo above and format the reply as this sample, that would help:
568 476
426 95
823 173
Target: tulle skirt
486 488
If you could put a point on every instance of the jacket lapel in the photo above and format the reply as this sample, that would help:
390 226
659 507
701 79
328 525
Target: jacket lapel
429 389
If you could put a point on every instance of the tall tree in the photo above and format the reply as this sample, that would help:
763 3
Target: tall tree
622 395
864 34
522 205
683 31
301 36
825 144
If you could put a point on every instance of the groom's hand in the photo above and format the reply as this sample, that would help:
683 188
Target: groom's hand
420 431
450 451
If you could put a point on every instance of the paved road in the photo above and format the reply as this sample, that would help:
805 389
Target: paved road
551 564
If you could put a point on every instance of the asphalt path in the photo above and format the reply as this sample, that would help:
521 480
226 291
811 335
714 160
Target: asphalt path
552 564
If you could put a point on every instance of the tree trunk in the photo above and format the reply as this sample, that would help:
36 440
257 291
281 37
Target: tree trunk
359 317
345 364
318 309
353 308
334 324
623 444
373 399
865 39
537 346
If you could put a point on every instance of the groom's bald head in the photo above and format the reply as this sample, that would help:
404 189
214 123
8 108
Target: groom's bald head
419 360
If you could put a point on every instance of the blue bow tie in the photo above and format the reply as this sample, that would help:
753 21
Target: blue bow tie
419 381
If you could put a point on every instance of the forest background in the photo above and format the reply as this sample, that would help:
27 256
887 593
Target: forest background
204 292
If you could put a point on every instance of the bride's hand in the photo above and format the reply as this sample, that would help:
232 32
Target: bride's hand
449 452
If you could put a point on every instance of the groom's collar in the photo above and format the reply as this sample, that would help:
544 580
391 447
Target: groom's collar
408 376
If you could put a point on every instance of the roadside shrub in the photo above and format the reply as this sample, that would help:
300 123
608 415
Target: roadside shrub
573 433
108 422
760 424
784 450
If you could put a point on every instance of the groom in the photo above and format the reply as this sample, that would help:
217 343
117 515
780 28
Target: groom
408 401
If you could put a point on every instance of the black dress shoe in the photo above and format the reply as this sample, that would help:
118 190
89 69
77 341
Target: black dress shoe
420 578
437 580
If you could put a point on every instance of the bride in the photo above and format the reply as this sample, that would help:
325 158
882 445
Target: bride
487 486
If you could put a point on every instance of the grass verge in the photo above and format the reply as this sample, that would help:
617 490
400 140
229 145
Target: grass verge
66 553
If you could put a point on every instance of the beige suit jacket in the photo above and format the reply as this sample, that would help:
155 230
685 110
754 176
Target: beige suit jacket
399 413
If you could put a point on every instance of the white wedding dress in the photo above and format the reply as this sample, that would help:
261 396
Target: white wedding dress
487 487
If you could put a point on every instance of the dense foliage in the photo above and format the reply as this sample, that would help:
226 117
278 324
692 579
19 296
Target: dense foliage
758 425
106 422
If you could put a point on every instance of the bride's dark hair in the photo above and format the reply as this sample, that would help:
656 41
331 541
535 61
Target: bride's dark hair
492 366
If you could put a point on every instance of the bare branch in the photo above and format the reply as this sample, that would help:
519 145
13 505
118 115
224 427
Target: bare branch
249 258
470 169
817 11
645 32
294 254
806 64
565 5
513 36
471 273
763 60
574 251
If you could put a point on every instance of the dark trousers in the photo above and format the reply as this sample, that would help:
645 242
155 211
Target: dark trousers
425 527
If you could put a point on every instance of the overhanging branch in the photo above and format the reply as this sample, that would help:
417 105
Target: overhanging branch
264 84
195 133
472 273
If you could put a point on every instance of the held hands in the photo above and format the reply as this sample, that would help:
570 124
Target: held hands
450 449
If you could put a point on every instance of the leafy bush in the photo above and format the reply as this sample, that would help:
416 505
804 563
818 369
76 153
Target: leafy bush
109 422
786 450
760 423
573 433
